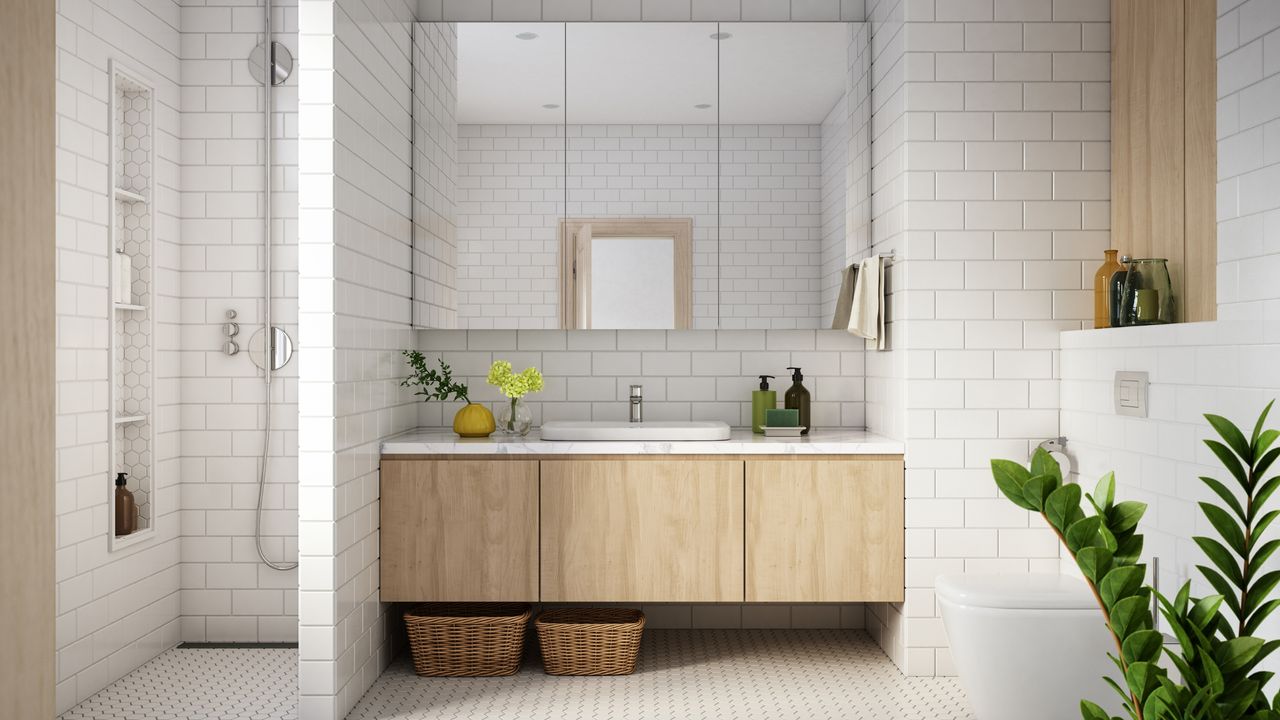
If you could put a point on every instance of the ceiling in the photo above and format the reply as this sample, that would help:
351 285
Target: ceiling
649 73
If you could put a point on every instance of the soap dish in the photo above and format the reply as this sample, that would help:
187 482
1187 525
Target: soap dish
793 431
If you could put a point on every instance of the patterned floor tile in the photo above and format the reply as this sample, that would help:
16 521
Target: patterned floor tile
689 675
204 684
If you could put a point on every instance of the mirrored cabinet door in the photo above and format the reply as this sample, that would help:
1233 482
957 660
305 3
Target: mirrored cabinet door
489 174
784 130
641 231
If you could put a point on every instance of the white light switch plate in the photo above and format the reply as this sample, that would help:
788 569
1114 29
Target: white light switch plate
1131 393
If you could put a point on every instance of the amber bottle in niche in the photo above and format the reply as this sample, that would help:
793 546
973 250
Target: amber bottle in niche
1102 290
126 508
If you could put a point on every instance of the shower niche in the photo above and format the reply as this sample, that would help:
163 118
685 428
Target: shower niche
131 293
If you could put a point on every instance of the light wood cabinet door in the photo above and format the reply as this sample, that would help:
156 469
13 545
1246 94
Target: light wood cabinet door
459 530
825 530
640 530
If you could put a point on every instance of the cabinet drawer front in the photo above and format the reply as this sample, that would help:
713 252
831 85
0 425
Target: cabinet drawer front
459 530
642 531
824 531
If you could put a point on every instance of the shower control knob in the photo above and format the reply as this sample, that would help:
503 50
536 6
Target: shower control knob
231 314
231 329
231 347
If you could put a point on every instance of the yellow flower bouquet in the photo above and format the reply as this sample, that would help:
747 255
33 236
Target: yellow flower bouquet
516 419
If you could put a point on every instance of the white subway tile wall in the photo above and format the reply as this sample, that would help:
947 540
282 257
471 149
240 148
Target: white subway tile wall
647 10
1226 367
686 374
354 217
756 253
1006 186
115 610
227 593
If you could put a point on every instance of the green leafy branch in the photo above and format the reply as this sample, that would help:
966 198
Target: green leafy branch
1105 545
431 384
1218 655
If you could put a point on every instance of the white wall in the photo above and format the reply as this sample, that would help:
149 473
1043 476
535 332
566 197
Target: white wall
116 610
354 197
1227 367
227 593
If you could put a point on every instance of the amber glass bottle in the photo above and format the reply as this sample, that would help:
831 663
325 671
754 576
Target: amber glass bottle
1102 290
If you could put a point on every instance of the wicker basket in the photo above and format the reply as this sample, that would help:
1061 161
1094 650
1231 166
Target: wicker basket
467 639
590 641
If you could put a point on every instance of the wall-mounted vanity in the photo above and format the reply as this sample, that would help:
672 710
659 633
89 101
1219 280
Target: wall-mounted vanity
637 175
750 519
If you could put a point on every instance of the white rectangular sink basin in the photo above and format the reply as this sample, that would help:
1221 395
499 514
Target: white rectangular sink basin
640 432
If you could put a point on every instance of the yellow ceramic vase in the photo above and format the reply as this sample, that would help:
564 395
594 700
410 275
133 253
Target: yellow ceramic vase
474 420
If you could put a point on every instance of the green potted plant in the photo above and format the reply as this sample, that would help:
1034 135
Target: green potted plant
514 418
472 421
1218 650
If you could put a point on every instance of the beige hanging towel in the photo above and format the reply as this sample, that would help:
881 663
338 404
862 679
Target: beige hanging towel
866 314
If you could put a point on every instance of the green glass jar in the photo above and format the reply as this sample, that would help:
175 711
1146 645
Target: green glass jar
1148 293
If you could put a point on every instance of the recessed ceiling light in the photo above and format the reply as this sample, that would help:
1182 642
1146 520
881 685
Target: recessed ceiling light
720 36
526 35
702 106
550 106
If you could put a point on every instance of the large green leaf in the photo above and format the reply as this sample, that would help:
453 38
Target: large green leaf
1230 462
1227 527
1090 711
1223 586
1142 678
1264 522
1260 424
1130 615
1259 615
1083 533
1227 496
1264 493
1237 653
1105 492
1259 591
1063 507
1120 583
1142 646
1125 516
1205 612
1221 557
1094 562
1010 477
1232 436
1264 462
1260 556
1036 490
1042 463
1128 550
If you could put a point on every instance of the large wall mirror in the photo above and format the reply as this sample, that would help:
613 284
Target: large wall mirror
636 175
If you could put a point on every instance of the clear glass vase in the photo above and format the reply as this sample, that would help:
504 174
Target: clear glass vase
515 418
1148 293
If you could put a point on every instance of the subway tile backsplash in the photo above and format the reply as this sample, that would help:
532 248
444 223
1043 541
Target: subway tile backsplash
686 374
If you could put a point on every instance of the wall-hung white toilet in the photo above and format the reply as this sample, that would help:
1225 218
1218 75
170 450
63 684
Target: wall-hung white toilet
1027 646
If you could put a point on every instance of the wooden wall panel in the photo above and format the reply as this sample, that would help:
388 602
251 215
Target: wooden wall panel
1163 143
1200 271
27 277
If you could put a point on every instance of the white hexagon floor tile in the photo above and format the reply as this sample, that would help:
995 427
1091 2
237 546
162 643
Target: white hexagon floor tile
689 675
202 684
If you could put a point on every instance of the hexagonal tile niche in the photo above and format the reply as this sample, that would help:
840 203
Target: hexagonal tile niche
133 136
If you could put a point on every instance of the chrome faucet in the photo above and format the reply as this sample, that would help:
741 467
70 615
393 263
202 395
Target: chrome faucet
637 403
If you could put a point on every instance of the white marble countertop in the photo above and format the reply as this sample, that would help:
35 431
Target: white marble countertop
833 441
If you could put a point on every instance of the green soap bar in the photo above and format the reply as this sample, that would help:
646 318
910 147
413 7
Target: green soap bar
775 417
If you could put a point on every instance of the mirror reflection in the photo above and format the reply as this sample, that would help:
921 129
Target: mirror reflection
634 175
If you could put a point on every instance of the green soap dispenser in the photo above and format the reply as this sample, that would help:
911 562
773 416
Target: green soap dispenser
761 400
797 398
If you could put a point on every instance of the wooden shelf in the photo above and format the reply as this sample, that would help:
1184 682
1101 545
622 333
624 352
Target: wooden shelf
128 307
129 195
126 419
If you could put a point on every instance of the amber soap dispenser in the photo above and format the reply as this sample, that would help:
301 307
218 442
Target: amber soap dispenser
797 398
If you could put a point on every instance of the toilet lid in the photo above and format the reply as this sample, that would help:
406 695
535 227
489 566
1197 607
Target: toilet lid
1024 591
